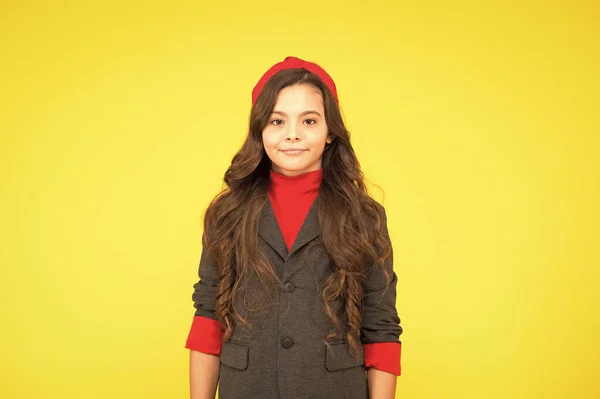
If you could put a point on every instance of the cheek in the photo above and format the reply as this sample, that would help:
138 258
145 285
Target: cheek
269 140
319 138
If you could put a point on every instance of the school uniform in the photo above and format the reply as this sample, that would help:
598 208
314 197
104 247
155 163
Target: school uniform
284 355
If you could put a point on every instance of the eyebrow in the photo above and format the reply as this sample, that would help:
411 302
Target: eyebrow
302 114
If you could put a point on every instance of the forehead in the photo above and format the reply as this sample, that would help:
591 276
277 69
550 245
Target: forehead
298 98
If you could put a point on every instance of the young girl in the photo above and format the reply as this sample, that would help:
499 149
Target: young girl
297 294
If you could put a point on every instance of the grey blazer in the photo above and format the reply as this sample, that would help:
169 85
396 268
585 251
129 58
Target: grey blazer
284 355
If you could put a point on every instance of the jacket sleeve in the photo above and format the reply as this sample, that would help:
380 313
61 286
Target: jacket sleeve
380 330
206 332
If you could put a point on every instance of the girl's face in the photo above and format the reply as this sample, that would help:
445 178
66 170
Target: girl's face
298 123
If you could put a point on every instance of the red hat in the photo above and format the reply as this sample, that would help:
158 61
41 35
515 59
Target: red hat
292 63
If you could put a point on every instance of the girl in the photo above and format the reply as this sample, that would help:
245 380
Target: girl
296 297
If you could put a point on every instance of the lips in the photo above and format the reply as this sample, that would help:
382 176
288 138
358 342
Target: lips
293 150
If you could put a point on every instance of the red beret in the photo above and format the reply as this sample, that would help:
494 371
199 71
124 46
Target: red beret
292 63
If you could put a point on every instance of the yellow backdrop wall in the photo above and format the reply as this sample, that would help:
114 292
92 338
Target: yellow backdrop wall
478 119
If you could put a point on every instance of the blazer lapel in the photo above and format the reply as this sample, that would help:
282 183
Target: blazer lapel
309 230
269 230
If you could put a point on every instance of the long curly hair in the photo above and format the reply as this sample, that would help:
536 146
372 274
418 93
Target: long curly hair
351 222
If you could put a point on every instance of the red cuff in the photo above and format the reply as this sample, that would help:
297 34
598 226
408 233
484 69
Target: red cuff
384 356
205 336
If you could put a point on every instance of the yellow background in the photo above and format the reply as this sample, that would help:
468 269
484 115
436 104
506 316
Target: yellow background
478 119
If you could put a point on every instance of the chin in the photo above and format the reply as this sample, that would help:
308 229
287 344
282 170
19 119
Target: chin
295 167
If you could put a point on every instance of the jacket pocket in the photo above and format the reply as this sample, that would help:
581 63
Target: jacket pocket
234 355
339 357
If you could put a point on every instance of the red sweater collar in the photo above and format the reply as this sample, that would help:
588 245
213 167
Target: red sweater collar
302 184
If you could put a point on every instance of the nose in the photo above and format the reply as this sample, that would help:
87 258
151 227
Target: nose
292 133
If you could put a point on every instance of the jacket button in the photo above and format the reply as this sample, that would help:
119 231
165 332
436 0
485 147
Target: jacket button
287 343
289 287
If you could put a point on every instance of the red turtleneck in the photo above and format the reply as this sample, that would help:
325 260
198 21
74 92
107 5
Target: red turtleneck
291 197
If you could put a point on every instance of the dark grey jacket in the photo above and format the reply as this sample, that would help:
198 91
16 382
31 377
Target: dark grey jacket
286 357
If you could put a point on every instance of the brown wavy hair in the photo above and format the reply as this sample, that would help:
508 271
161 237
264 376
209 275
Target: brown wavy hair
351 222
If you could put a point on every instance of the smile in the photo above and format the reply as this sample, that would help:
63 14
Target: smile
293 152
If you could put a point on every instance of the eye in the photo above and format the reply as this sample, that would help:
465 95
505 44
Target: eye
276 122
312 121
